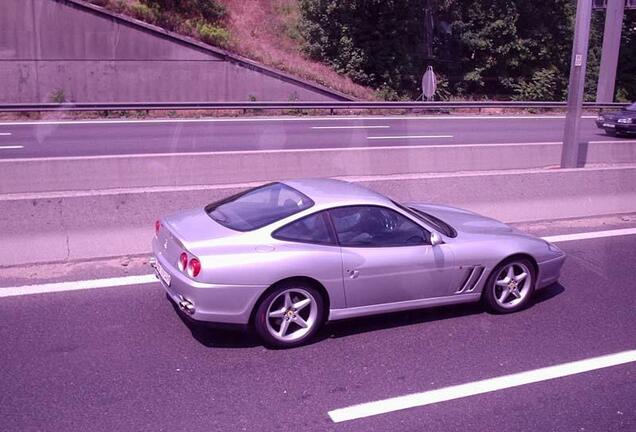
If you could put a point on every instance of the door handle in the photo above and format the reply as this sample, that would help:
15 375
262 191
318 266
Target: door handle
353 273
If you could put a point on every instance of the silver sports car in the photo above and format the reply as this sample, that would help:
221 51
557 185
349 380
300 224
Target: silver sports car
287 257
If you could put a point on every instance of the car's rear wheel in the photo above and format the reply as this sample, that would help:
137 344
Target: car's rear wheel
289 315
510 286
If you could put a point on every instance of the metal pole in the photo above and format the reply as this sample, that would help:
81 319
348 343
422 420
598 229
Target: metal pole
428 29
570 149
609 56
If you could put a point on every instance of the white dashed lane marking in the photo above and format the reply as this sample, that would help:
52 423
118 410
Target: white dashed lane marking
409 137
352 127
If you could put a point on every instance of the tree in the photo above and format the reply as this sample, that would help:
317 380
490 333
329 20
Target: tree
495 49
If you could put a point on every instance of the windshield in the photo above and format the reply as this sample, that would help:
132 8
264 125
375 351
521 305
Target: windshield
435 222
258 207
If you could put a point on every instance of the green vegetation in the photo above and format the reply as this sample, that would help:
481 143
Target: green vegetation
202 19
57 96
212 34
499 49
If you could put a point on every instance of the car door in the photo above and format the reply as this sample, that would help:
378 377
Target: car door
388 258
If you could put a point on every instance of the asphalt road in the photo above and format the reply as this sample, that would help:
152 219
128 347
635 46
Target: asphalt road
122 359
81 138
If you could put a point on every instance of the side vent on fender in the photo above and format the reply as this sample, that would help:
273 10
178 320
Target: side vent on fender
469 282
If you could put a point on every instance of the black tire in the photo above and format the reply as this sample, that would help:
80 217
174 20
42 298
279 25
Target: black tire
492 291
273 303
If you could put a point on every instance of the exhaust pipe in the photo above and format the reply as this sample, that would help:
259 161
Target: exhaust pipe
186 305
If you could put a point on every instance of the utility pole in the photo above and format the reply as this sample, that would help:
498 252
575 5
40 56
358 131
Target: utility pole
428 29
609 56
570 149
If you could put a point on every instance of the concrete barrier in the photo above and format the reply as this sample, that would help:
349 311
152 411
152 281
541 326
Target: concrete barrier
125 171
69 226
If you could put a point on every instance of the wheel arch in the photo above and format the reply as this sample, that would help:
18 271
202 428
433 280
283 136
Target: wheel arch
305 280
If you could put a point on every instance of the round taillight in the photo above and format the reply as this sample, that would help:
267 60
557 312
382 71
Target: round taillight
183 261
194 267
157 226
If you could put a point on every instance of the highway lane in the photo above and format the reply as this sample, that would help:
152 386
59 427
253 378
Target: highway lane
121 359
58 139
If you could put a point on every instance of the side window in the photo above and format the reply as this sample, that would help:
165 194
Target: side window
362 226
310 229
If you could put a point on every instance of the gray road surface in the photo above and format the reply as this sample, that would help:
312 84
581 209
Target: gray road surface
109 138
121 359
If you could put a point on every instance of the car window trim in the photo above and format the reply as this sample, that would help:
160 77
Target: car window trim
425 229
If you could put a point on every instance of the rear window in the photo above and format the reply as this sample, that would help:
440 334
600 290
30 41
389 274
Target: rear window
258 207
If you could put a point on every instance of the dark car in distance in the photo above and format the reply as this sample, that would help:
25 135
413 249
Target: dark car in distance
619 122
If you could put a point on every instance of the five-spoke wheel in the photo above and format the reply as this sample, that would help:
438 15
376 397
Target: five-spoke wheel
289 315
509 286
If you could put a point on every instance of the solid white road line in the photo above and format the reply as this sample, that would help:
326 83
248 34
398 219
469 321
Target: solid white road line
277 119
612 141
149 278
77 285
480 387
408 137
11 147
591 235
302 150
5 133
351 127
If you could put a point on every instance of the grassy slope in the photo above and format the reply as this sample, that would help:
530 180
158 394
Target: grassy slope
266 31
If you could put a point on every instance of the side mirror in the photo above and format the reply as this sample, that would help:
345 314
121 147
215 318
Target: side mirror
436 239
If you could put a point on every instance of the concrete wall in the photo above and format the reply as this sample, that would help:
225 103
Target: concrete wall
216 168
72 226
96 56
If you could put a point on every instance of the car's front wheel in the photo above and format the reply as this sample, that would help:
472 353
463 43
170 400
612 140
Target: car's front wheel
510 286
289 315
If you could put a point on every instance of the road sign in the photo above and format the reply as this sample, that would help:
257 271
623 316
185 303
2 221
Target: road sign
429 83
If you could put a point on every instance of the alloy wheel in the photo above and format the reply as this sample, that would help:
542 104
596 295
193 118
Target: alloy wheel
291 315
512 285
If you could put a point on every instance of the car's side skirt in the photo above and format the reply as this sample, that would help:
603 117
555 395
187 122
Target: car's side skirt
338 314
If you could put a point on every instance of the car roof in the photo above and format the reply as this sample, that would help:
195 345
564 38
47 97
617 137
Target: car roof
331 192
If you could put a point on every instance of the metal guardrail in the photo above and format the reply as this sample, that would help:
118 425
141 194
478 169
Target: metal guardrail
330 105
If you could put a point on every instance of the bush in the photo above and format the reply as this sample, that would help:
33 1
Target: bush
542 86
213 35
143 13
209 10
57 96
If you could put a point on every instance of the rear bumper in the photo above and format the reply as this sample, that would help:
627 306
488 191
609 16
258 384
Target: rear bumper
550 271
209 303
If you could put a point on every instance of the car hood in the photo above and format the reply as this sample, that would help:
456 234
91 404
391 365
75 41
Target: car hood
613 116
465 221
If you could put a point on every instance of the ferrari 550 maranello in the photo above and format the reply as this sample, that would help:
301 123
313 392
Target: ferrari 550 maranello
286 257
